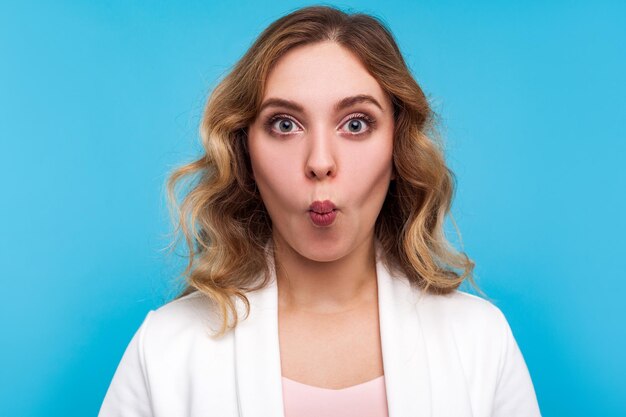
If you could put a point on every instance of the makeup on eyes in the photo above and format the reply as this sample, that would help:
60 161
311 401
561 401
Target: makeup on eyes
271 120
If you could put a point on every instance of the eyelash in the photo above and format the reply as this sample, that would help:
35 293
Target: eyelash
371 122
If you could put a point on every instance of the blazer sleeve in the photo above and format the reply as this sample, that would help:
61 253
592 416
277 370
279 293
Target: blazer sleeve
129 392
515 395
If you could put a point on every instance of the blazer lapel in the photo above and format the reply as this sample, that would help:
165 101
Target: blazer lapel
257 354
405 359
423 372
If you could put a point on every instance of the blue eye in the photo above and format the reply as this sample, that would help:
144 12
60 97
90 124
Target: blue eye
355 125
359 123
284 125
281 124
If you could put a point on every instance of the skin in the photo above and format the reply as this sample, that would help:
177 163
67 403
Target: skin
326 276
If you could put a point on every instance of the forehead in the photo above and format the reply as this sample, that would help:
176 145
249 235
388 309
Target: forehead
321 73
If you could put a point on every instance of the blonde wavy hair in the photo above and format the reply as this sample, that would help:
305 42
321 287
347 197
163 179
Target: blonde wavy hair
222 217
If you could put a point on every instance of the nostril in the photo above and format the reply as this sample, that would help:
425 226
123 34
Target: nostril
315 173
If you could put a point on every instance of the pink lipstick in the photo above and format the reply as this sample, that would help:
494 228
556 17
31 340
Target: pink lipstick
322 213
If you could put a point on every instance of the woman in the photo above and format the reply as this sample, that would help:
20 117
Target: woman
320 282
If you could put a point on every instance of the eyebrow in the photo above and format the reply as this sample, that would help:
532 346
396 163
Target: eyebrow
340 105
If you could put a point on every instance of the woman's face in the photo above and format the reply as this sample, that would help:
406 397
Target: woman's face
324 134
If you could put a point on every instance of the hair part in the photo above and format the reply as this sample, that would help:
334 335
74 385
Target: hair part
222 217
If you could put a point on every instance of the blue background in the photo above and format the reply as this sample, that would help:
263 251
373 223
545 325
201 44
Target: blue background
98 102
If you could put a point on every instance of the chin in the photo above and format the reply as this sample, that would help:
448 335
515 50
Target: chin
322 251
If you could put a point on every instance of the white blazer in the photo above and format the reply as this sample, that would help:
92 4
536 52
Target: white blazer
443 356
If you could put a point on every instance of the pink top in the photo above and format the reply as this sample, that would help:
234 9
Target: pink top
363 400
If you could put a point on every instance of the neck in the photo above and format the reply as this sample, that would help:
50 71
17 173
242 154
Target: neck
326 287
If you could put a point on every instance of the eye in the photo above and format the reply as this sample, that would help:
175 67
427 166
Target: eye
281 124
359 123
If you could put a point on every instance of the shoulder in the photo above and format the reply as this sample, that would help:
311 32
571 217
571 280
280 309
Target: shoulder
192 306
174 345
181 320
472 332
461 306
465 327
470 318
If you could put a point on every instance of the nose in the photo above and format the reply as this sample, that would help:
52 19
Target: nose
321 158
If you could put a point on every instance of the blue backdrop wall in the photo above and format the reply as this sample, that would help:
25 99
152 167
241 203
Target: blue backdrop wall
100 100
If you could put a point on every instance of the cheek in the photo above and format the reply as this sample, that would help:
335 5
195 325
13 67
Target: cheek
273 171
370 172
